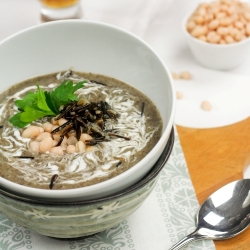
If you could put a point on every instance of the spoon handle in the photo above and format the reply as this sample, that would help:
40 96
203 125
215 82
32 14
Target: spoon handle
189 238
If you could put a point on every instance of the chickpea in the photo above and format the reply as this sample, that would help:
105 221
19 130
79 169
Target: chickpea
222 31
190 26
206 106
246 15
239 25
203 38
229 39
248 29
198 19
199 31
175 76
185 75
213 24
179 95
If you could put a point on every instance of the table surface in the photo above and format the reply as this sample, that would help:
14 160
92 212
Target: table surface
214 156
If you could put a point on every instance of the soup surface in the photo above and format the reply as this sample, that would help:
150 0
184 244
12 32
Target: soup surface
138 126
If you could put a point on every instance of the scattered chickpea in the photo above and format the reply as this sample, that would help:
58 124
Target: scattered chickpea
185 75
177 76
179 95
220 22
206 106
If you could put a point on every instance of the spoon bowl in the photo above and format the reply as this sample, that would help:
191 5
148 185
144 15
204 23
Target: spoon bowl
225 214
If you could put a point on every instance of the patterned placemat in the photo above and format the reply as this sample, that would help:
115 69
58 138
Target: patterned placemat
166 216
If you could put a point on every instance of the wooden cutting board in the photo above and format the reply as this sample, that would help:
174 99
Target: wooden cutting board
214 158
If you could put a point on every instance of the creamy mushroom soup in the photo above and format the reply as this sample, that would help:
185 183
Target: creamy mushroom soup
105 131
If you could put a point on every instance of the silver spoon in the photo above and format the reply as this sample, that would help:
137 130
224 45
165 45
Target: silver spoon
225 214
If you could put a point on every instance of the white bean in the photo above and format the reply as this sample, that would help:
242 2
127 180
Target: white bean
56 137
62 121
31 132
56 151
72 140
46 144
42 136
85 137
80 147
71 149
54 121
34 146
54 143
47 126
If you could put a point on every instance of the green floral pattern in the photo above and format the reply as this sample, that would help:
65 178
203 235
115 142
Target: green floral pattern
175 199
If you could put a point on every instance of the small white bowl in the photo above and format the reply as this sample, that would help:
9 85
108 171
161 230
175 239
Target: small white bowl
216 56
100 48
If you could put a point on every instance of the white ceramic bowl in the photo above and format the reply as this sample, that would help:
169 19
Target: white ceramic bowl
89 47
216 56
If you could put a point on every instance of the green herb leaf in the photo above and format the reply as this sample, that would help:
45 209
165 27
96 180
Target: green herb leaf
41 102
31 114
16 121
62 95
29 100
36 105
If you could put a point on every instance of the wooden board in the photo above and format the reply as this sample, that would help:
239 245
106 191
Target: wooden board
214 158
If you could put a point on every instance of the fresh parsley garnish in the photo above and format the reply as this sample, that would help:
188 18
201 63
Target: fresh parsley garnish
36 105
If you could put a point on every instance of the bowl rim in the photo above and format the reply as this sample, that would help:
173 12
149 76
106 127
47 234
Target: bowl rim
66 193
150 176
212 45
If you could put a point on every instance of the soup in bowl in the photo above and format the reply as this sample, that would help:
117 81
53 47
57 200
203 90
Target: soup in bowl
86 110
